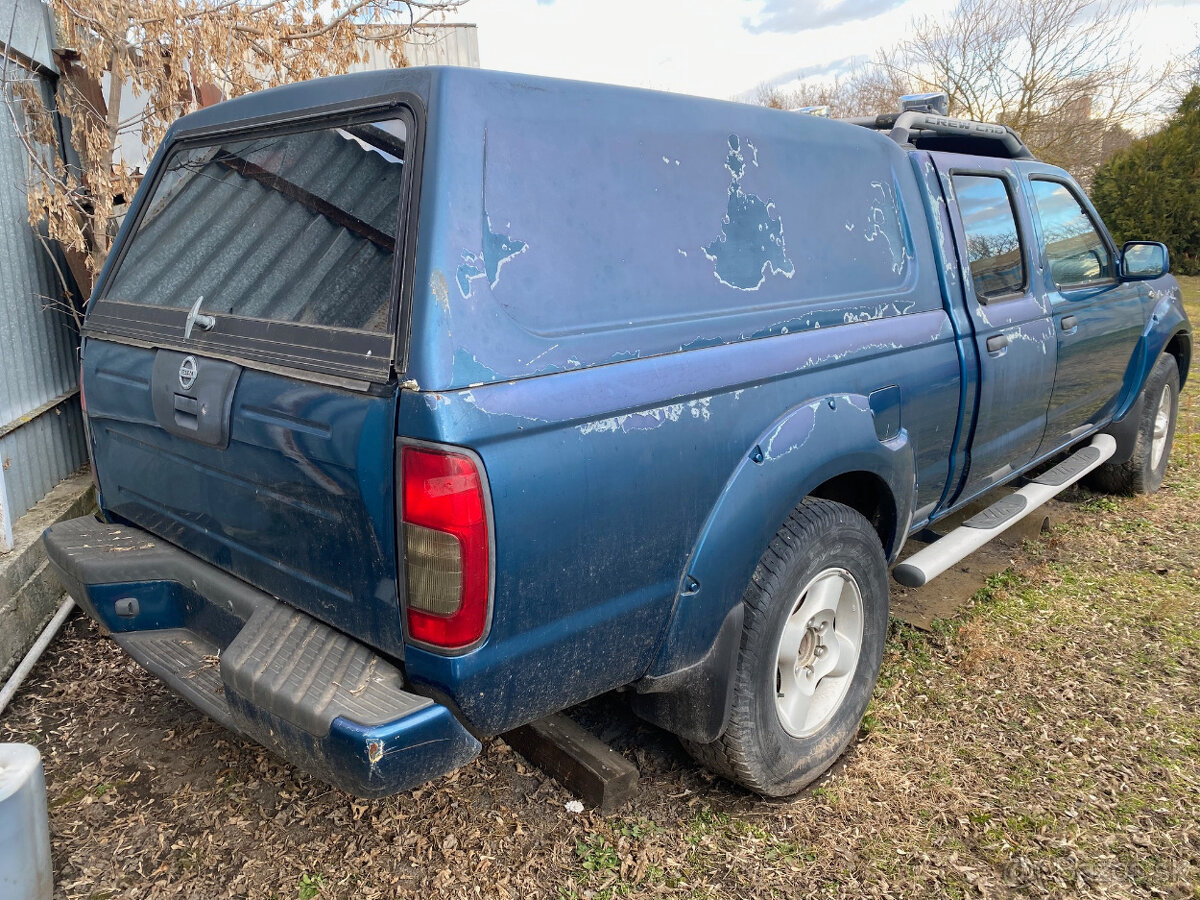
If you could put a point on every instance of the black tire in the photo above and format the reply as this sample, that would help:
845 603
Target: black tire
1143 472
756 750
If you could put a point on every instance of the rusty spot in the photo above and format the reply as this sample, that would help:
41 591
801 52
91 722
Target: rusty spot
374 751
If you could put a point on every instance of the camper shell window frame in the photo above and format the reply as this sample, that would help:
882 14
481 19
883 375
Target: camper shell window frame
353 358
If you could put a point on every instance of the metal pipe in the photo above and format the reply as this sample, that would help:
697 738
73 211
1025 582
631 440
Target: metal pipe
35 652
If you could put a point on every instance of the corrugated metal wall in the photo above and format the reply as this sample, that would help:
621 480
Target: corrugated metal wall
451 44
41 430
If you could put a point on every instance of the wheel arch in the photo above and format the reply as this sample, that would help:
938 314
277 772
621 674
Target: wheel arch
826 447
869 495
1180 347
1167 331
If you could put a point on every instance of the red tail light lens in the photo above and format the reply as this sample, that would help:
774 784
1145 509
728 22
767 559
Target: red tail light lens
446 552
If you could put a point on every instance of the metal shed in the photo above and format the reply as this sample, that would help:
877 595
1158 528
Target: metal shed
41 429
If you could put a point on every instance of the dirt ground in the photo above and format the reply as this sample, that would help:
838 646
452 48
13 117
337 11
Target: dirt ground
1044 741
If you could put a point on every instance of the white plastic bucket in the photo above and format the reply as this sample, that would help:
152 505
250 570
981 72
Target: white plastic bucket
25 872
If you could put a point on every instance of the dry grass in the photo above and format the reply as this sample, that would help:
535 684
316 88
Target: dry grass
1044 743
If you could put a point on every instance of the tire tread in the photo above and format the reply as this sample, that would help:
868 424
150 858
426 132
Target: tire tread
730 755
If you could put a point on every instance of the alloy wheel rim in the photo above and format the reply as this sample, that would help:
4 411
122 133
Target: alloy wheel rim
818 652
1162 424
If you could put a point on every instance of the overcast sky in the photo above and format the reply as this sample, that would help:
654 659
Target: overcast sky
725 48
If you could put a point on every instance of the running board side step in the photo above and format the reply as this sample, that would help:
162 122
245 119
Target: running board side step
930 562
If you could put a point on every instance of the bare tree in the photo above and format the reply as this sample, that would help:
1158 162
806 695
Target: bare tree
1187 76
867 90
171 54
1061 72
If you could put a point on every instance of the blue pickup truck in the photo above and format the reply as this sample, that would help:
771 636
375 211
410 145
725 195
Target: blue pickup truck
426 403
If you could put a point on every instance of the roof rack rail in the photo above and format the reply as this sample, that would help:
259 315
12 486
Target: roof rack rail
903 128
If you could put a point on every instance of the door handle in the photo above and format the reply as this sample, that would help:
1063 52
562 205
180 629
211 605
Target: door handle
997 342
1070 323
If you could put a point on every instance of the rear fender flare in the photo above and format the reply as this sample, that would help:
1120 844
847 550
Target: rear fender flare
813 442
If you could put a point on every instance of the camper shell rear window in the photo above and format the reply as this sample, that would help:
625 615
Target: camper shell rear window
286 244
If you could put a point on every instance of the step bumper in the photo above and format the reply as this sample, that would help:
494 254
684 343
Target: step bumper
323 701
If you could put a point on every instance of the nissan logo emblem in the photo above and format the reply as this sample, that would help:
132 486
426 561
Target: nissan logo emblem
187 372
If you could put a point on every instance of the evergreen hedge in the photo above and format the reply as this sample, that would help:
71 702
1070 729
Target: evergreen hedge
1151 191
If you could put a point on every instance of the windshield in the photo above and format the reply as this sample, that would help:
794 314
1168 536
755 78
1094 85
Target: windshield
296 227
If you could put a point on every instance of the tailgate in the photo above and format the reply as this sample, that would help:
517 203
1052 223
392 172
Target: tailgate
297 502
237 365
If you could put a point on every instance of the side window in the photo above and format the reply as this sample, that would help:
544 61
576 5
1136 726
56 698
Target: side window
1075 252
993 245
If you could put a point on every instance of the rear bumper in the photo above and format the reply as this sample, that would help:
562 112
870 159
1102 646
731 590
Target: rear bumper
318 698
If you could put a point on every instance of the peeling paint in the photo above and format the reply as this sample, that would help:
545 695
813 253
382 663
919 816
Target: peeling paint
751 244
468 369
439 289
883 222
807 417
839 356
649 419
702 343
624 356
498 249
540 355
1018 334
374 752
753 153
879 311
638 421
493 403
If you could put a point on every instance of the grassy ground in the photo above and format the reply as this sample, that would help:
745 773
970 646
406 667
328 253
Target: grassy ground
1043 743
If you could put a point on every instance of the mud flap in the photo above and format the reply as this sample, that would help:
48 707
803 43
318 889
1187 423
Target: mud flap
694 703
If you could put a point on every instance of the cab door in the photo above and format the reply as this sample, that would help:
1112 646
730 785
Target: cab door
1098 319
1014 339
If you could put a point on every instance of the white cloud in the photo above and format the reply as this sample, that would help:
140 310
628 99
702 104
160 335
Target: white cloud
802 15
706 48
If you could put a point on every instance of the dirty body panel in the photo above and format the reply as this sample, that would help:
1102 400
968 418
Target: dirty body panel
640 345
238 361
298 502
636 330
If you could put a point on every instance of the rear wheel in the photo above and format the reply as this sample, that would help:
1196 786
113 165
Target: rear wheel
1143 472
815 623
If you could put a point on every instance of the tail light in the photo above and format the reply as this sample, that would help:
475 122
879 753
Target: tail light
446 547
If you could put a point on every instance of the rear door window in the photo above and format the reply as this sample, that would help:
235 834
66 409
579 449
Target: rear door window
296 234
993 242
1075 252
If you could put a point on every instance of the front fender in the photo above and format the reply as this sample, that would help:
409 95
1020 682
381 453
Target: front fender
811 443
1167 318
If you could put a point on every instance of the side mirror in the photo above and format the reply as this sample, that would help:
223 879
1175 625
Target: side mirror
1143 260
